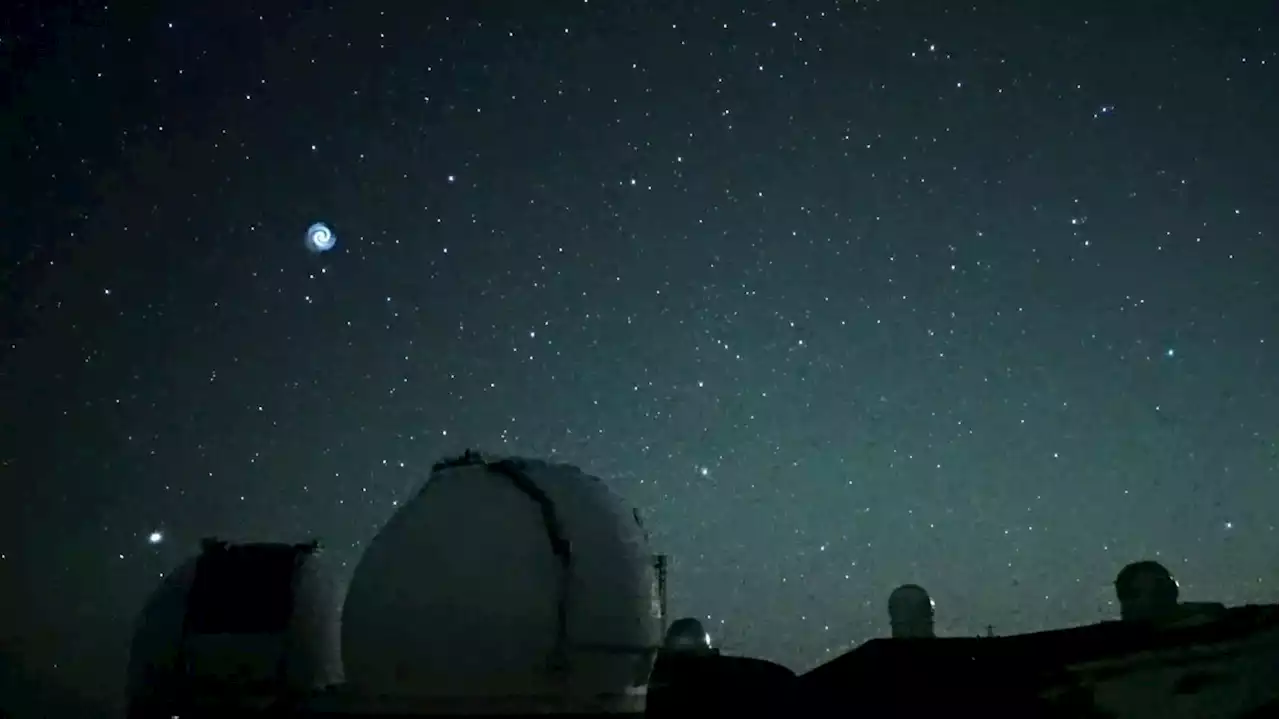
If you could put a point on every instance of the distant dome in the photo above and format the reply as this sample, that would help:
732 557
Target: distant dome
245 625
911 612
504 586
687 635
1147 591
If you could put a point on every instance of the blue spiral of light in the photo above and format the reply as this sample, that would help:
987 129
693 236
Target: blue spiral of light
320 238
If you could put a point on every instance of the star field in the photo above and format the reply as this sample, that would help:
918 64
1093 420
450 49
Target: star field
841 295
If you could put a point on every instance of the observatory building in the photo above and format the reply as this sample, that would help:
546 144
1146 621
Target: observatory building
1163 659
505 586
687 635
238 628
1147 592
911 613
692 678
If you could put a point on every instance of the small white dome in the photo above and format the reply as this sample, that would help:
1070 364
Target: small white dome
248 623
511 585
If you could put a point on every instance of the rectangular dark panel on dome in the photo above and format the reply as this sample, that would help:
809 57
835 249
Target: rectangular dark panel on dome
242 590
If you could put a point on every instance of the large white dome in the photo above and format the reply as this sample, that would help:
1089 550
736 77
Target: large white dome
509 585
238 625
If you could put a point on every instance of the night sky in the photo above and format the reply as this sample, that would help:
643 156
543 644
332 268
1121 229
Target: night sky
841 295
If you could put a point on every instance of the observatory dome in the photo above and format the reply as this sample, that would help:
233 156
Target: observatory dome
504 586
911 612
687 635
241 625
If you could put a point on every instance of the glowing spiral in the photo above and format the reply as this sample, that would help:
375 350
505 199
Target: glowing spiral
320 238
